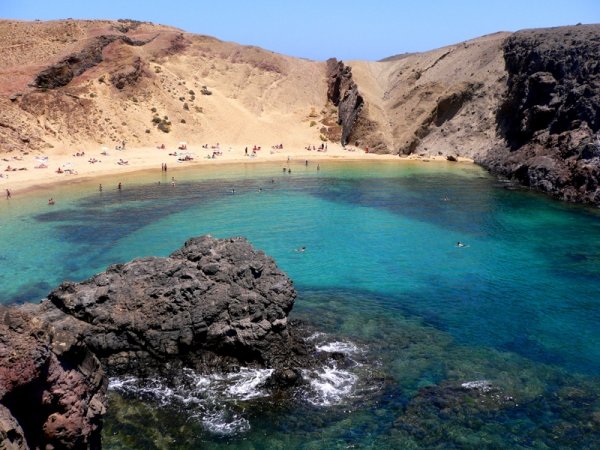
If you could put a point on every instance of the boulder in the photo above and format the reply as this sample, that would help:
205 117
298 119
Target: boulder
212 305
52 393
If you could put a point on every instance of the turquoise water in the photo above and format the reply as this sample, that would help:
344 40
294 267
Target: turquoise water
517 306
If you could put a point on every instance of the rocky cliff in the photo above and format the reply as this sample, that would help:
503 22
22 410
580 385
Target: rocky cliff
213 305
52 391
550 116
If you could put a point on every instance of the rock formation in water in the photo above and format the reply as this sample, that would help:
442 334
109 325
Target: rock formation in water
52 391
550 117
213 304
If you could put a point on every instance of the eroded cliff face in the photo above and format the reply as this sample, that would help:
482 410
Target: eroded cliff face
550 117
52 392
342 91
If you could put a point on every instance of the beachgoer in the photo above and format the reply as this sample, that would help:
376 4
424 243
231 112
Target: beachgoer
100 188
7 194
301 249
246 151
318 167
306 163
460 244
289 170
284 170
232 191
119 186
51 201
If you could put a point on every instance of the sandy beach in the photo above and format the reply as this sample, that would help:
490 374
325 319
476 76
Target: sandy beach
29 172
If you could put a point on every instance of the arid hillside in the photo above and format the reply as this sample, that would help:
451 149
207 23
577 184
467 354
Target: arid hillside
439 101
524 105
77 83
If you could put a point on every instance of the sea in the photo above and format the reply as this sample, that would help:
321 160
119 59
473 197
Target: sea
468 308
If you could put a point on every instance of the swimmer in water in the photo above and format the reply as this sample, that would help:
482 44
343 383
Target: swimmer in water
460 244
301 249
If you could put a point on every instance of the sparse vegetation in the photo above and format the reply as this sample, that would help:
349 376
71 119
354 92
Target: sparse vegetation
182 121
186 107
164 126
153 110
157 69
101 79
92 95
205 91
199 109
312 123
191 92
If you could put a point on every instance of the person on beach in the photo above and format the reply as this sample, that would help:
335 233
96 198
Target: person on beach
318 167
7 194
306 163
51 201
289 170
100 188
119 186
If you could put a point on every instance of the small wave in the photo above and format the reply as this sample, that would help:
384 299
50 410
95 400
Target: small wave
329 386
246 383
209 399
347 348
224 423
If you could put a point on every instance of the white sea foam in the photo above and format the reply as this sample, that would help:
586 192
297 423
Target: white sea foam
247 382
329 386
347 348
224 423
206 398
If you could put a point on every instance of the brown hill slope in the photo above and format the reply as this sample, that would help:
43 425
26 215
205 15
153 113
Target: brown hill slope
439 101
69 83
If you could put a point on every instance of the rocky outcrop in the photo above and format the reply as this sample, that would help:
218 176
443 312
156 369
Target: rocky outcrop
128 76
343 93
550 117
52 392
212 305
61 73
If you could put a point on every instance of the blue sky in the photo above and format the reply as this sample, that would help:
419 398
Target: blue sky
321 29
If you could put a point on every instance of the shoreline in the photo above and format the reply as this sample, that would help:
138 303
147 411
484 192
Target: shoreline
77 168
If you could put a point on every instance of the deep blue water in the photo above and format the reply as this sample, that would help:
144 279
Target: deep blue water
517 306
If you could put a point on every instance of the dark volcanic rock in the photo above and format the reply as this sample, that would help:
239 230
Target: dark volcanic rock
52 393
61 73
343 93
551 115
212 305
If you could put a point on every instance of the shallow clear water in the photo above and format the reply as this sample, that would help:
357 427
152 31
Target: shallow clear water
517 306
